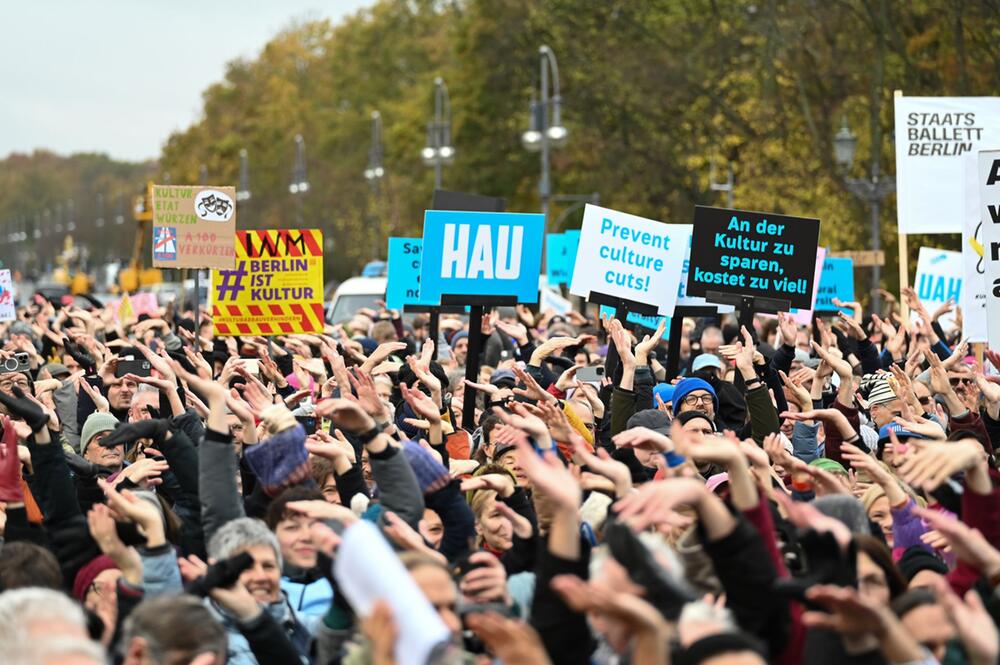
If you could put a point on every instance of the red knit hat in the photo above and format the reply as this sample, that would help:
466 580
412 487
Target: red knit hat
86 575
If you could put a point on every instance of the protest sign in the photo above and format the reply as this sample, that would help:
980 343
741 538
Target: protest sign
7 310
481 254
549 299
276 288
403 283
836 281
804 316
974 315
748 253
989 214
648 322
132 305
685 300
939 277
194 227
629 257
560 256
934 137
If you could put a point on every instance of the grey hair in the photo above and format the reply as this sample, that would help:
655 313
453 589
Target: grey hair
174 623
57 649
21 607
239 535
700 611
664 555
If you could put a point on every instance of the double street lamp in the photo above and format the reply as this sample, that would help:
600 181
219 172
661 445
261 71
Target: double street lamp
439 150
872 190
545 130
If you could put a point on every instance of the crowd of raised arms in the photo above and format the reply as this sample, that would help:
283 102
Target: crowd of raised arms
800 494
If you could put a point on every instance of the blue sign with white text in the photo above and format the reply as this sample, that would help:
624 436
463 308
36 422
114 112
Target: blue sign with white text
836 281
403 283
481 254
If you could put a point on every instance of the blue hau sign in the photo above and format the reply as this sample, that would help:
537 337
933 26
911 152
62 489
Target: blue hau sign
481 253
403 283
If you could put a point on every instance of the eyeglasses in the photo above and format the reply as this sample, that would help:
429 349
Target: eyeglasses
8 384
694 400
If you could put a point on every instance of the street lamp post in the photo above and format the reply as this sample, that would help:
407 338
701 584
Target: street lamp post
375 172
725 186
300 183
545 131
439 150
872 190
243 192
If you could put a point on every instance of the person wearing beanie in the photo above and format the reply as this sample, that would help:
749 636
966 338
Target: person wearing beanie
846 509
743 648
663 393
921 568
95 429
883 405
694 394
94 583
459 343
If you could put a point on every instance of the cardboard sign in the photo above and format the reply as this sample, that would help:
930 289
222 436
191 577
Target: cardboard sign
975 327
194 227
403 284
939 277
560 256
7 310
481 254
862 258
836 280
989 213
629 257
934 137
753 253
276 288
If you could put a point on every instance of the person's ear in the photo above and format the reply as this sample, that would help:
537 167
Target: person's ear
136 651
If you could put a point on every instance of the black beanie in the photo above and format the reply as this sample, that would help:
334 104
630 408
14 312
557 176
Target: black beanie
713 645
915 559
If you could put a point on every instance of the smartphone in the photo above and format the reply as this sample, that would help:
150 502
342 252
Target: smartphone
130 366
252 365
19 362
308 424
594 374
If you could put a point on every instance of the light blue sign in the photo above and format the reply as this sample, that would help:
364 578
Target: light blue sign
403 283
560 256
481 254
645 321
836 281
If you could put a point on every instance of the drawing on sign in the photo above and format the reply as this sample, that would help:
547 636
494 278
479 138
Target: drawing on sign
213 206
165 243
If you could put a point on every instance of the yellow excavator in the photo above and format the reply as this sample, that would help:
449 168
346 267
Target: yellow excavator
135 276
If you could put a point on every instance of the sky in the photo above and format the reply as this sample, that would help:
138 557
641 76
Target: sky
118 76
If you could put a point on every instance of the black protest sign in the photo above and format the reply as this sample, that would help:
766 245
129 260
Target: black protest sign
753 254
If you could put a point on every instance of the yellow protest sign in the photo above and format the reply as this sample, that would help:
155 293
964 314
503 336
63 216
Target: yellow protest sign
193 227
276 288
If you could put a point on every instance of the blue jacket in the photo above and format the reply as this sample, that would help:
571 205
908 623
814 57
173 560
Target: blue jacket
308 598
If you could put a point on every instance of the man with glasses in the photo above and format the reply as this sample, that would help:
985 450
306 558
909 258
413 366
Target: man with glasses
694 394
10 379
95 430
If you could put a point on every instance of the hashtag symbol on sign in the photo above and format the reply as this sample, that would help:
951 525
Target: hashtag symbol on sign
232 282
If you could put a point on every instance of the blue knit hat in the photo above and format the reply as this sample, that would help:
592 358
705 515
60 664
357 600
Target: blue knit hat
689 385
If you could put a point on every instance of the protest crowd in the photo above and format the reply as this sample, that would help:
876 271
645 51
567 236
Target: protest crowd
816 494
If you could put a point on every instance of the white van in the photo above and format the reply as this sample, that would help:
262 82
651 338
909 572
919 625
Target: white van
354 294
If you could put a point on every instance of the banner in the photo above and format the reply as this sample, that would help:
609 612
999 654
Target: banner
276 288
804 316
560 256
481 254
629 257
403 284
939 277
836 281
974 315
7 310
935 136
549 299
989 213
193 227
755 254
648 322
